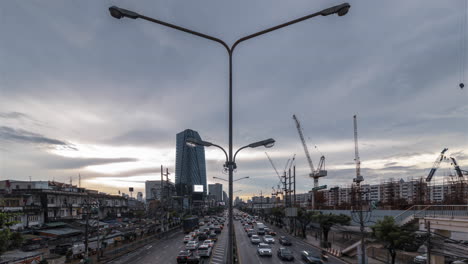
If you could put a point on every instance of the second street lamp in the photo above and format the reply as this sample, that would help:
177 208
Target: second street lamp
119 13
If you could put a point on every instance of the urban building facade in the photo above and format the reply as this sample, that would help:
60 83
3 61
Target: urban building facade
216 190
190 164
154 190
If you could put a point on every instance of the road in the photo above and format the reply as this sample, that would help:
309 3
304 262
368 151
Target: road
167 249
248 251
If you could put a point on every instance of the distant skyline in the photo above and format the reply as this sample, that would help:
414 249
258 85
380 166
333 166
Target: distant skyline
84 93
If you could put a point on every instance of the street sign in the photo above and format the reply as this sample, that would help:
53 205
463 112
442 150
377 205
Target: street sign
319 188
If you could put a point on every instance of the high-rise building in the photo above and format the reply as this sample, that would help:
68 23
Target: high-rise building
216 190
225 197
190 164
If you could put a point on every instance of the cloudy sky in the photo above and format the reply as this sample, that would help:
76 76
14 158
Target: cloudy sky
84 93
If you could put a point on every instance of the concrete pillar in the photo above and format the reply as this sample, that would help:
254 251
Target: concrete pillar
436 259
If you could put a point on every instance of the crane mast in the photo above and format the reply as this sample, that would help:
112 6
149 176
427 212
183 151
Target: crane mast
436 165
358 178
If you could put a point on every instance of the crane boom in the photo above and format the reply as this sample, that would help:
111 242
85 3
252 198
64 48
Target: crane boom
306 150
273 165
358 178
457 168
436 165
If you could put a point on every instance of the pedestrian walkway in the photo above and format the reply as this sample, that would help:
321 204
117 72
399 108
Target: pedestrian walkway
219 253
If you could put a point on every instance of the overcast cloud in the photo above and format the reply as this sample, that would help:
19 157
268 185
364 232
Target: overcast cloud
84 93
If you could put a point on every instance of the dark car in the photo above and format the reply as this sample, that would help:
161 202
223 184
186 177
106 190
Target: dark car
285 254
217 229
183 256
202 237
284 241
309 258
213 236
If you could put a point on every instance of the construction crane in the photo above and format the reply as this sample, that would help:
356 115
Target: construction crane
436 165
273 165
459 171
359 177
320 172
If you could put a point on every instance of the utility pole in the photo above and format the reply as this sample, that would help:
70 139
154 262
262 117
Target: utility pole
428 227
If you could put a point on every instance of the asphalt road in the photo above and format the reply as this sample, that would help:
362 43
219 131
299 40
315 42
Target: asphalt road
248 251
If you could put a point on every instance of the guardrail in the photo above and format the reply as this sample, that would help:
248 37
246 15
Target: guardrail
442 211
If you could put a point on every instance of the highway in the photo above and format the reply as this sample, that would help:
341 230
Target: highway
248 251
166 250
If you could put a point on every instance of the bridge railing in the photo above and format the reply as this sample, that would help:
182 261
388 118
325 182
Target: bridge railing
442 211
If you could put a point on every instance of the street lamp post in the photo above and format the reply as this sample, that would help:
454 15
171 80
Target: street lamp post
217 178
119 13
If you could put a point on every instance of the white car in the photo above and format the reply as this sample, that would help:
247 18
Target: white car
268 239
204 251
191 245
264 250
420 259
208 242
187 238
201 223
255 239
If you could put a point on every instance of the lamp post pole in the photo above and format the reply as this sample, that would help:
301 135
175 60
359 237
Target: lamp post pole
118 13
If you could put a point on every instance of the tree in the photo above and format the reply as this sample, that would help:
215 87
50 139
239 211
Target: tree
8 239
278 214
391 235
326 221
304 218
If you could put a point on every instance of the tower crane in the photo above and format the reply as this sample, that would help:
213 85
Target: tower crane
436 165
459 171
359 177
320 172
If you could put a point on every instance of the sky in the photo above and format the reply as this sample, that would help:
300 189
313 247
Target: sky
82 93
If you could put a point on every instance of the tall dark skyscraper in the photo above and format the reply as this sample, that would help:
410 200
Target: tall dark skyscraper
190 164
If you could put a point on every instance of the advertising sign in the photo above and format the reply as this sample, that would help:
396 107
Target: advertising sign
198 188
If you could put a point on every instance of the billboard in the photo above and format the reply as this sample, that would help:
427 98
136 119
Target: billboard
198 188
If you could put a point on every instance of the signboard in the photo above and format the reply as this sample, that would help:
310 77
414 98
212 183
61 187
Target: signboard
319 188
290 211
198 188
130 189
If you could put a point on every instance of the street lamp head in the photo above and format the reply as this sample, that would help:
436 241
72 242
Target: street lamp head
267 143
193 142
118 13
340 10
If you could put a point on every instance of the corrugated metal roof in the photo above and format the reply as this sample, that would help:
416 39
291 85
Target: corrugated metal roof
60 231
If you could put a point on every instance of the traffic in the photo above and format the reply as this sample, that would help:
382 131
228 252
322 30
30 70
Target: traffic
200 239
260 243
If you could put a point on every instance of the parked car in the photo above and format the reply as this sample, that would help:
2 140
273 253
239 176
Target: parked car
255 239
420 259
264 250
191 245
285 254
268 239
309 258
284 241
204 251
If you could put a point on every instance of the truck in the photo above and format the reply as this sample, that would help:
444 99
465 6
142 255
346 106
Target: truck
189 224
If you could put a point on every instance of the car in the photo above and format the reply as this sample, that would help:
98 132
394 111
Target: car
309 258
201 223
213 237
251 232
268 239
264 250
193 234
187 238
420 259
271 233
204 251
202 237
285 254
208 242
217 229
460 261
284 241
191 245
255 239
183 256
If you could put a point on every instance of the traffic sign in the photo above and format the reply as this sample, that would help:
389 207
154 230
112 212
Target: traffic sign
319 188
